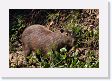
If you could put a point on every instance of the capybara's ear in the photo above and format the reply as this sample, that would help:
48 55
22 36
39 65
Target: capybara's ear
61 30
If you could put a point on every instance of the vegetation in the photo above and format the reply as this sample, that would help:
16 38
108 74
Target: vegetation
83 22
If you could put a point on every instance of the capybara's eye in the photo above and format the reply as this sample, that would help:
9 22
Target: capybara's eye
66 34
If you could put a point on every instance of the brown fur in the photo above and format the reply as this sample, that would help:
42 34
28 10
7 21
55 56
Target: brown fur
39 37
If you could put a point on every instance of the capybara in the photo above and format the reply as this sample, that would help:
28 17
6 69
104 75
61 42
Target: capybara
39 37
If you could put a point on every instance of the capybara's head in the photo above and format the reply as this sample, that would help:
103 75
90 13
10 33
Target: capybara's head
68 37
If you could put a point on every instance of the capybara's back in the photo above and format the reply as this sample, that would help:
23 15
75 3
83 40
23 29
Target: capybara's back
39 37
